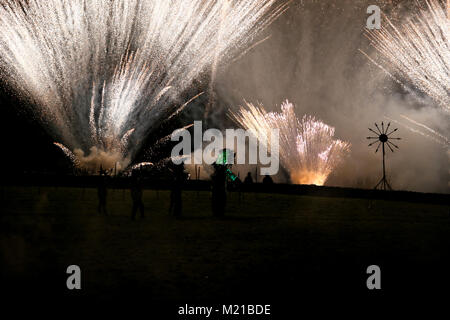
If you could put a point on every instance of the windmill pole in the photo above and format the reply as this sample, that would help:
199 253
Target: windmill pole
384 169
382 137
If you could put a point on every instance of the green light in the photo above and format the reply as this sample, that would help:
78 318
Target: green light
223 157
231 175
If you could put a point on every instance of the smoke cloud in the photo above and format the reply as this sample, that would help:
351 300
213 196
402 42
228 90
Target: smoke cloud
98 158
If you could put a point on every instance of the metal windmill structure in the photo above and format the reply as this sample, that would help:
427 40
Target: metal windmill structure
383 137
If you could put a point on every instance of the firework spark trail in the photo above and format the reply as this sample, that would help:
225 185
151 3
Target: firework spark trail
141 165
418 53
433 132
423 130
69 154
307 146
96 70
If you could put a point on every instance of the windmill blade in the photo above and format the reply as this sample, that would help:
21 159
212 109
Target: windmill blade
372 138
371 144
387 128
382 127
392 132
393 144
376 125
395 138
378 147
374 131
390 147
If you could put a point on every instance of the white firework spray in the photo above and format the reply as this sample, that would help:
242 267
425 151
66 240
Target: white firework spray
417 55
308 150
418 52
102 74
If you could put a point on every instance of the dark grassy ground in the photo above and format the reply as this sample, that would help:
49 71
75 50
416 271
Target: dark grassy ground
269 248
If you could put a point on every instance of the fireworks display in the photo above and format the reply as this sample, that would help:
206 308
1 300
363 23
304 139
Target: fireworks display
419 51
308 150
102 74
417 55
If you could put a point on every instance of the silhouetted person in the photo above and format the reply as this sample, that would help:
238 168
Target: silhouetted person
136 196
219 194
267 180
102 192
176 201
248 179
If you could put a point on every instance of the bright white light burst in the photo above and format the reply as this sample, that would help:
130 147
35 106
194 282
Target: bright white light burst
101 74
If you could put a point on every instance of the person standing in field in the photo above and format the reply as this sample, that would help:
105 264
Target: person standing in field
268 180
248 179
102 192
176 201
136 197
219 192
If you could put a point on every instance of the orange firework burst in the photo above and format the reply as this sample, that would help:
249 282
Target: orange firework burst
308 150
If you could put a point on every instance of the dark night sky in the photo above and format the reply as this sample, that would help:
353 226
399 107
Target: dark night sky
26 145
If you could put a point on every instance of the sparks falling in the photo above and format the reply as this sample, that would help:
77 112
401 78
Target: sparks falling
418 53
308 150
102 74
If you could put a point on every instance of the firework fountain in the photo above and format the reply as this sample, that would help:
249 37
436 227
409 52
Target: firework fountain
308 150
417 56
102 74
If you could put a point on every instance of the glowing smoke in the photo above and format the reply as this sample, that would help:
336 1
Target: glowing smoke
102 74
308 150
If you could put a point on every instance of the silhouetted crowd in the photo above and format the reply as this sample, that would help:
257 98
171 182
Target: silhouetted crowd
222 180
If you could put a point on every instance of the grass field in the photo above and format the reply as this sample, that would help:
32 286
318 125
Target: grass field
267 246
